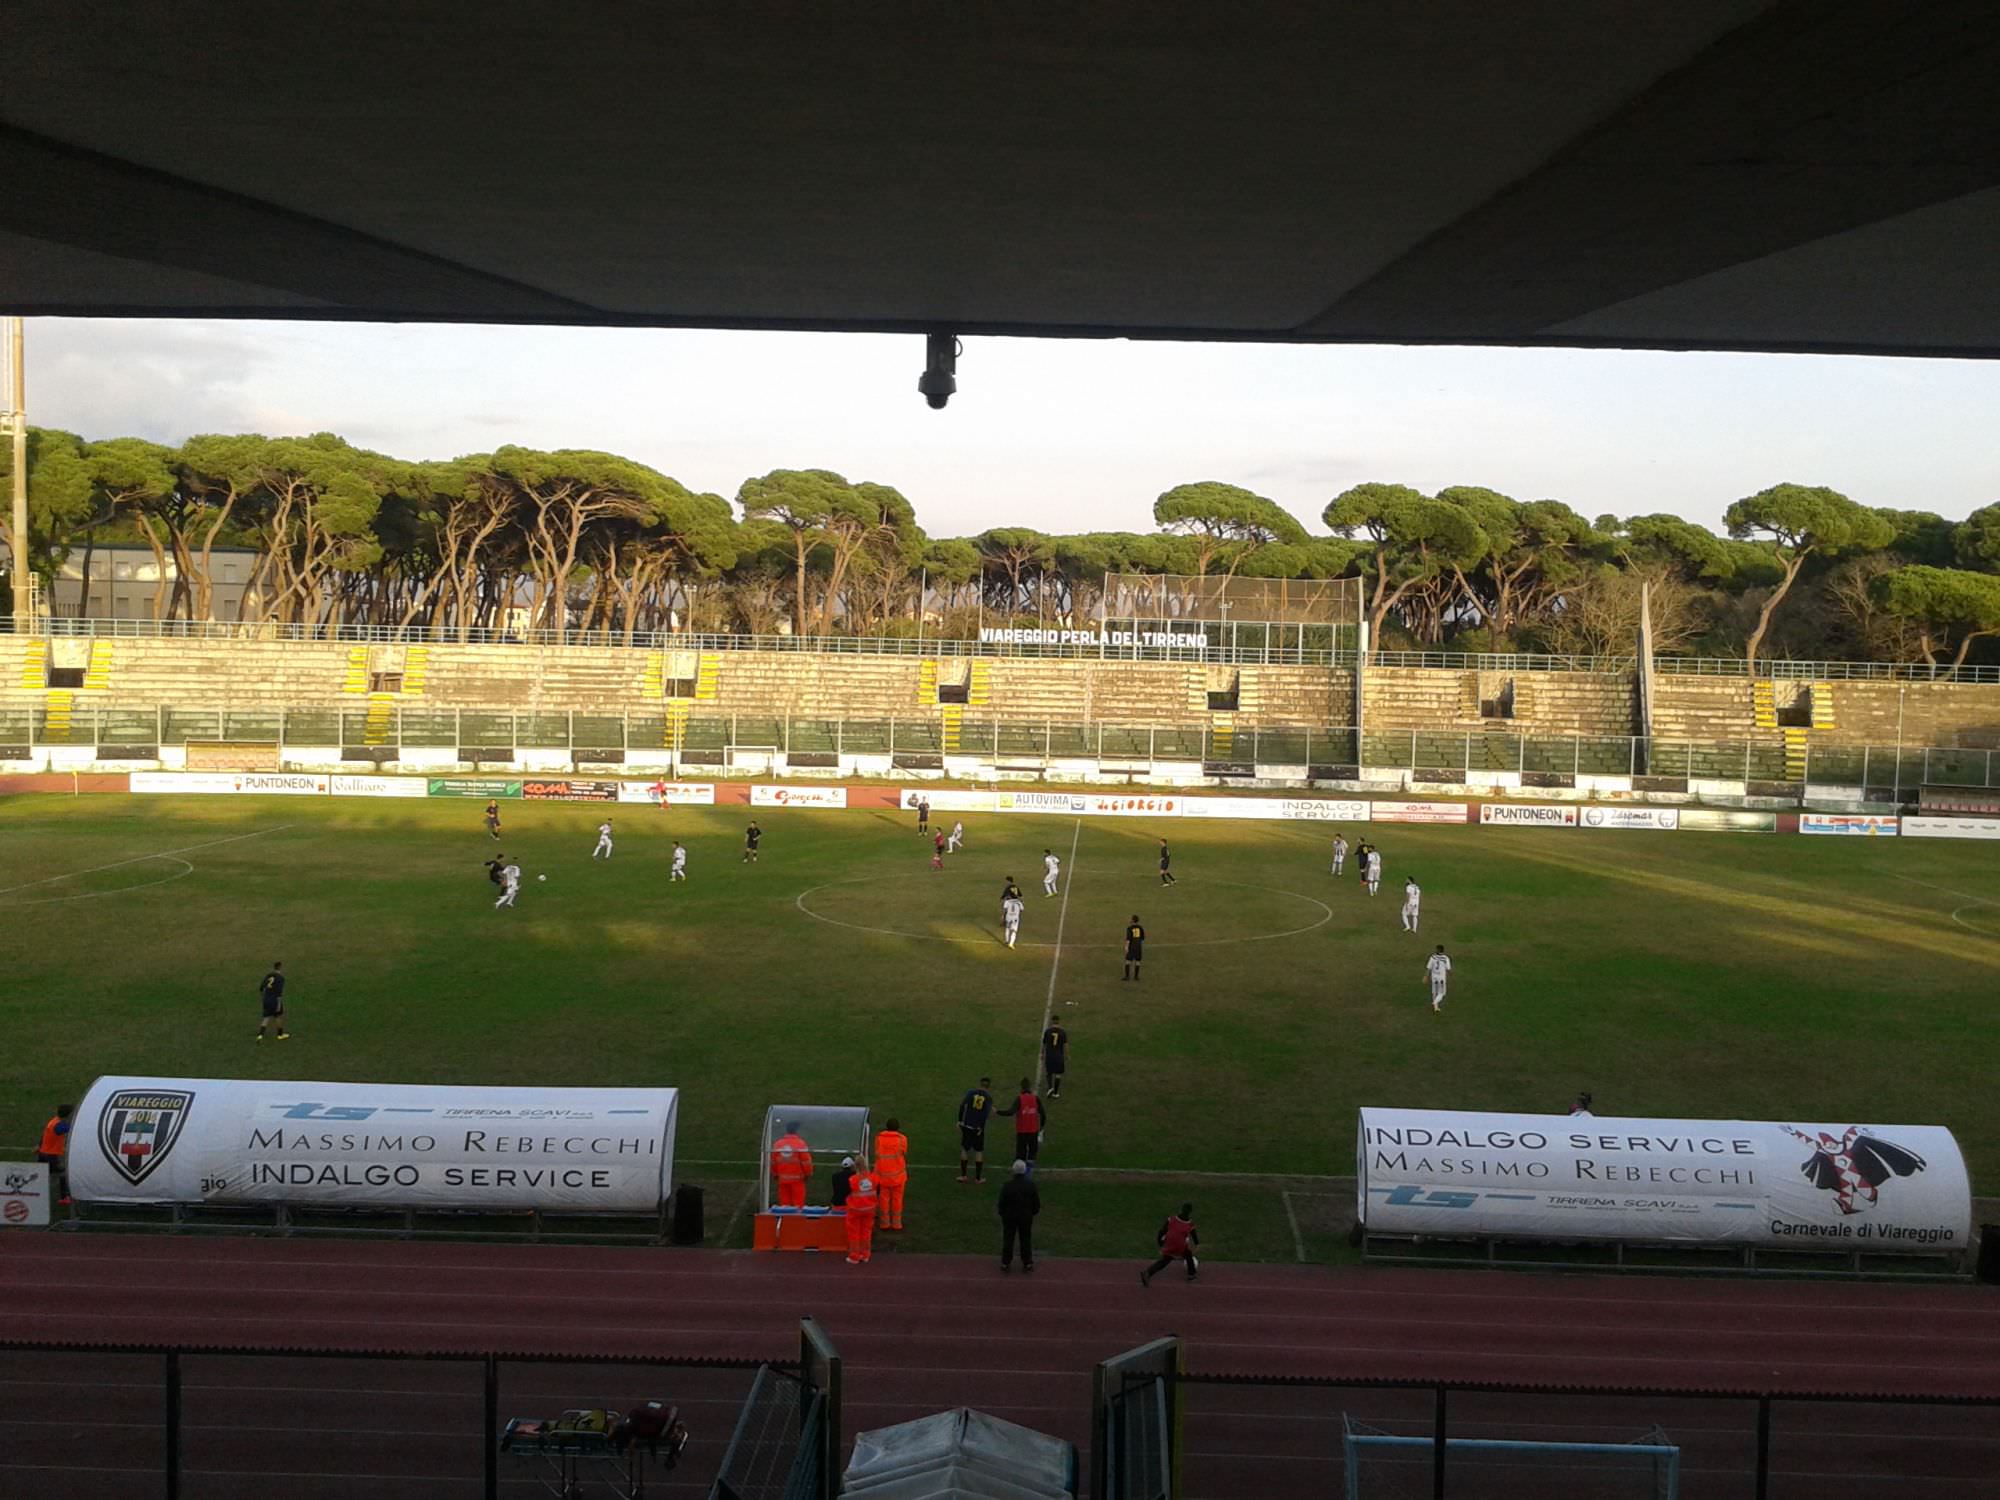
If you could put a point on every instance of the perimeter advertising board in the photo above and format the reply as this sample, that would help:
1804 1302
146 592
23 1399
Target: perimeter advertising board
1721 820
229 783
380 786
1854 825
355 1145
1325 809
671 793
24 1195
485 788
568 789
946 800
1529 814
1266 809
1803 1185
1662 818
1951 828
798 796
1420 812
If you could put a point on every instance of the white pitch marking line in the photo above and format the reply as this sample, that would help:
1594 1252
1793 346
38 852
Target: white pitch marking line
182 873
736 1218
1298 1240
1055 961
1970 900
137 859
985 939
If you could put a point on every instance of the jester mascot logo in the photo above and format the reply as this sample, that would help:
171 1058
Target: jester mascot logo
1853 1166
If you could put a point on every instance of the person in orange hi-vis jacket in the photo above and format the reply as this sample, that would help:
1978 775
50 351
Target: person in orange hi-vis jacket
861 1200
791 1165
892 1172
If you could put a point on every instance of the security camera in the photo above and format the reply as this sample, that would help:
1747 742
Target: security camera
940 377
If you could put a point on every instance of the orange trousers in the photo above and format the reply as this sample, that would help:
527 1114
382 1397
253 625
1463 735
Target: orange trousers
791 1192
860 1237
892 1204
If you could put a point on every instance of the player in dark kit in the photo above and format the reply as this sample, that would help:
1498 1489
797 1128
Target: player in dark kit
493 819
1166 859
750 837
1135 946
1055 1056
494 866
973 1112
271 992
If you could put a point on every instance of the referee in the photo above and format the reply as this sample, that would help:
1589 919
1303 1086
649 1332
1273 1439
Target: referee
1135 946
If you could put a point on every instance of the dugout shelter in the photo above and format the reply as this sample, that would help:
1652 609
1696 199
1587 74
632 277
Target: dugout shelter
830 1132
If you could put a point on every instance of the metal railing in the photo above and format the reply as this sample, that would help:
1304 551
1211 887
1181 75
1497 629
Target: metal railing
191 1388
1236 642
1768 1443
723 740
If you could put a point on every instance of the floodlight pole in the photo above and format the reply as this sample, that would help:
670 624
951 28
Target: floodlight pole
15 412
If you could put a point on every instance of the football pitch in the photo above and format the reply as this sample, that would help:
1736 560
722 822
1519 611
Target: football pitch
1676 974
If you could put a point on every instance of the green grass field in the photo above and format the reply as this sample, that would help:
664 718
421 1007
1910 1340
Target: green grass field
1688 974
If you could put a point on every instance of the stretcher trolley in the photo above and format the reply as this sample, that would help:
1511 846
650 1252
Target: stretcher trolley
614 1450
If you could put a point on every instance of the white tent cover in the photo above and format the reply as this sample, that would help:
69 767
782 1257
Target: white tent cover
960 1455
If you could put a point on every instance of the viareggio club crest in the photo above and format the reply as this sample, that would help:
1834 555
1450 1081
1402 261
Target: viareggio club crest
138 1127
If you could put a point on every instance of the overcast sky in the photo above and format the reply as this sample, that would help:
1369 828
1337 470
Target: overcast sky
1064 435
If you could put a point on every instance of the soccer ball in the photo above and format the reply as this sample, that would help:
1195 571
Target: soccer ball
541 877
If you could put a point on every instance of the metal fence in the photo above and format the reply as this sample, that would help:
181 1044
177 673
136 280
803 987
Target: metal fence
1503 1441
725 740
1236 642
186 1421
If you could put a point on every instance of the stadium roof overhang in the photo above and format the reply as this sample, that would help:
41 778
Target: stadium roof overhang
1735 174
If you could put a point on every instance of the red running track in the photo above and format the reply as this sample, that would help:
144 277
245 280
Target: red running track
919 1333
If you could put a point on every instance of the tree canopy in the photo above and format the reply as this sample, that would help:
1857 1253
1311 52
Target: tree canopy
575 539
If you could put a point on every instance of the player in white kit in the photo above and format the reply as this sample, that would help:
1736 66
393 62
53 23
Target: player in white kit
1374 871
1051 869
603 840
957 840
1010 917
1413 896
1339 853
510 886
1439 968
680 869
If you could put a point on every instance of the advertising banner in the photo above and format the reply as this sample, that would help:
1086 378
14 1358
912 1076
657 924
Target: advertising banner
1803 1185
229 783
1420 812
1138 805
485 788
1326 809
568 789
1720 820
1864 825
1632 817
360 1145
380 786
1043 802
672 793
945 800
1258 808
24 1195
1951 828
1529 814
798 796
